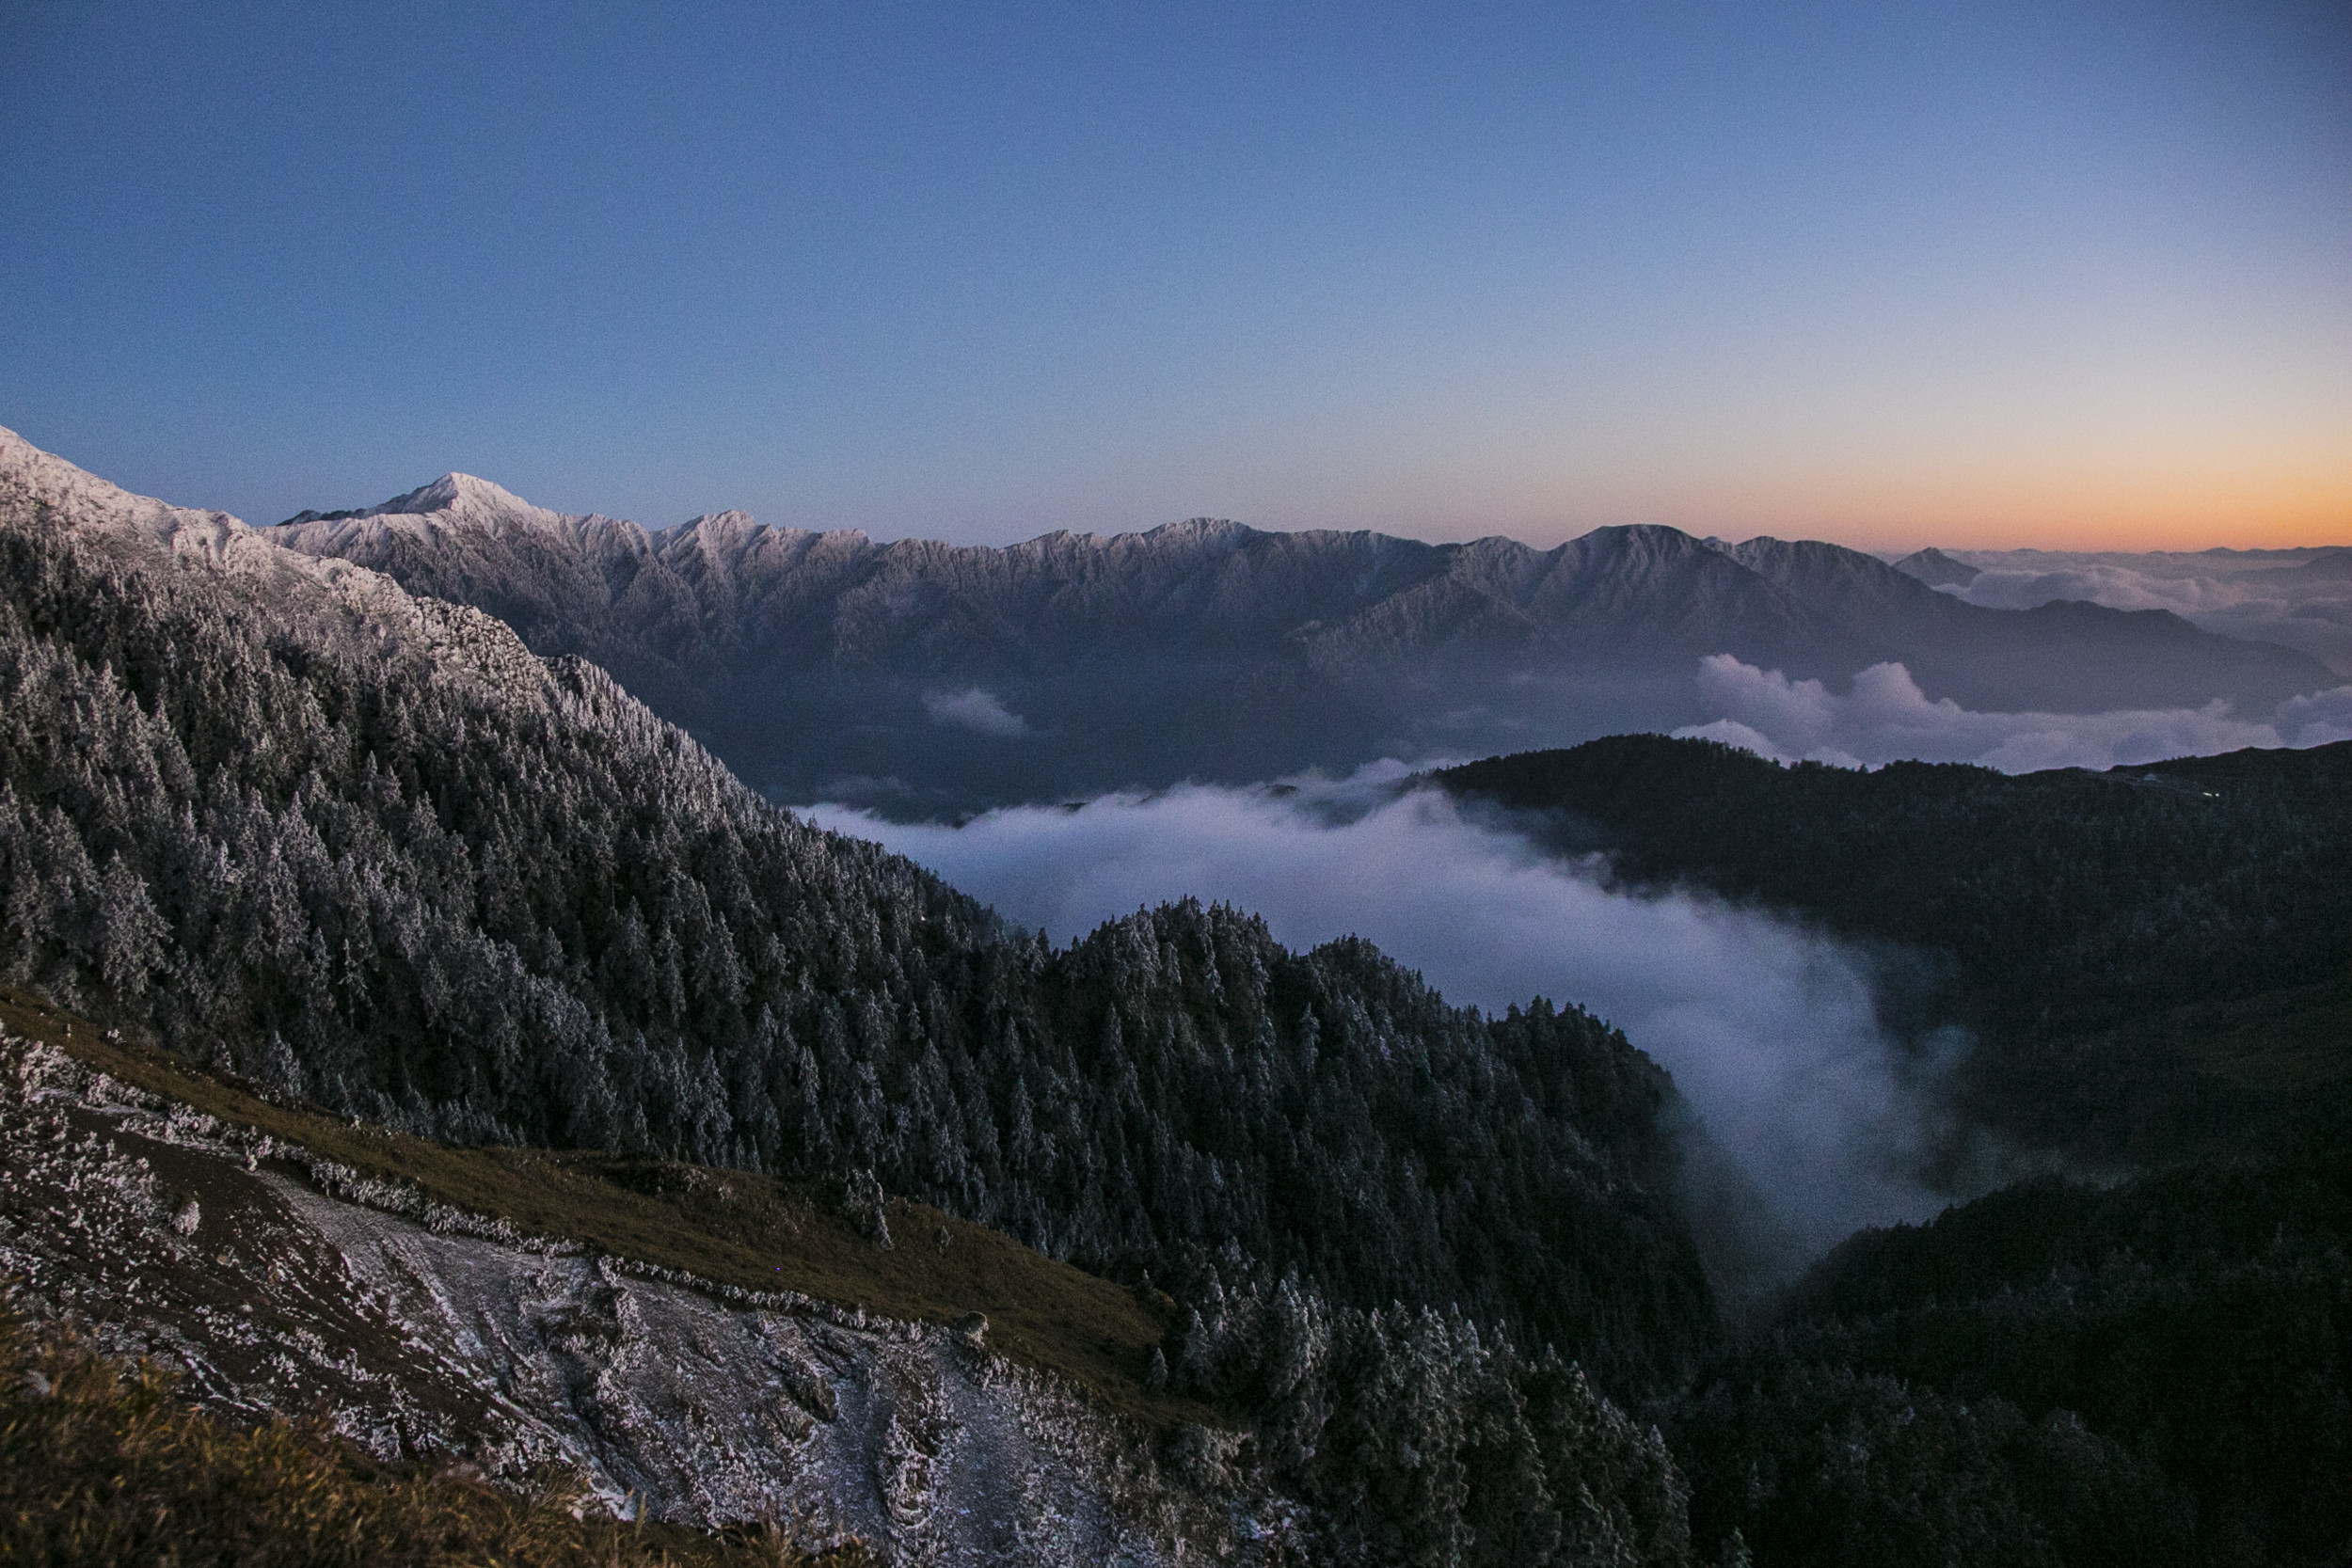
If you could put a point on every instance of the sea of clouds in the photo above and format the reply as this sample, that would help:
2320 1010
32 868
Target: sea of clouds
1770 1032
1883 715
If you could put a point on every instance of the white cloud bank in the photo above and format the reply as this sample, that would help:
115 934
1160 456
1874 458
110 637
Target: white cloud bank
1772 1033
974 710
1885 716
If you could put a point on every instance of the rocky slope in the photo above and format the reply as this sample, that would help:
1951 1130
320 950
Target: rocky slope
828 664
429 1334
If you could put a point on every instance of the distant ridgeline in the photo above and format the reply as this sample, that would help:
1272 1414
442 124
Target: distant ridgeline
2157 960
367 850
827 666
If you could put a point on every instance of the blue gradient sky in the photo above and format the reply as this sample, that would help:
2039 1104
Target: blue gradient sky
2065 273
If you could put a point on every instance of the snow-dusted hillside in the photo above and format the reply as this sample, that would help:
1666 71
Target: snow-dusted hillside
368 852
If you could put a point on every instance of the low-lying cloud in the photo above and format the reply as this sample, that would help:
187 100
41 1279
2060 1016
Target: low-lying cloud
1885 716
1770 1032
973 708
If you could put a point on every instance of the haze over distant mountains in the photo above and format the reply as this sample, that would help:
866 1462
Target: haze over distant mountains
921 676
2300 598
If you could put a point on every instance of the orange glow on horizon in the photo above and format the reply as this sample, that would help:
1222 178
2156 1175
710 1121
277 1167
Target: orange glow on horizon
2169 518
2085 512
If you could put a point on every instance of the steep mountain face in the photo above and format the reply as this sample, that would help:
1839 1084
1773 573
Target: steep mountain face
368 849
824 664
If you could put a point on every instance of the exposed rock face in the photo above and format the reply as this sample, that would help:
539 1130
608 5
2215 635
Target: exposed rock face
828 664
167 1234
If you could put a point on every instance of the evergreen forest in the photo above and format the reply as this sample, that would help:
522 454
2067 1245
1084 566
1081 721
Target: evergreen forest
2153 967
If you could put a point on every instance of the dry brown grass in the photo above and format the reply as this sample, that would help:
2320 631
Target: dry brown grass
99 1463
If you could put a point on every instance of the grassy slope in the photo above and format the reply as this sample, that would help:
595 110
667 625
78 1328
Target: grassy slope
726 1225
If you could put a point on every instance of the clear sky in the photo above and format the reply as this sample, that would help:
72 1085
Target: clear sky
2056 273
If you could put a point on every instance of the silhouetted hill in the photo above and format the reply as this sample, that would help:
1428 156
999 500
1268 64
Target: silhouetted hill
1938 570
2068 656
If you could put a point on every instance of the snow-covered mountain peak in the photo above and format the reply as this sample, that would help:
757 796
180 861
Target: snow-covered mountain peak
461 494
453 497
1200 528
709 526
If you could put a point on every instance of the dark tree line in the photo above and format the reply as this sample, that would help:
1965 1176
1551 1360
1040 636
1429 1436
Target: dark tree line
2150 1374
2067 899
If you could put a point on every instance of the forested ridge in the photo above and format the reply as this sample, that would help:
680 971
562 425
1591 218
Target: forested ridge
2153 963
2156 1372
2150 958
2068 898
367 851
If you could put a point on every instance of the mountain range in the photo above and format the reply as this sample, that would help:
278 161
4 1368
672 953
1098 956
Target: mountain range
921 677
